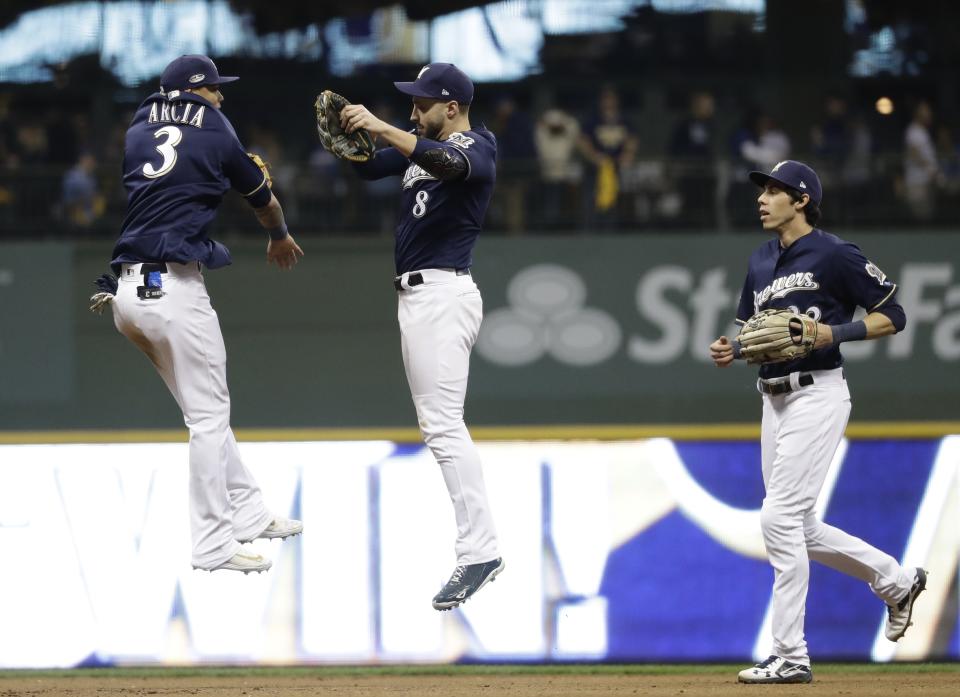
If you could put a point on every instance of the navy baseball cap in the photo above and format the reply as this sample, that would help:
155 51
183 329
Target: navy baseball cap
794 174
191 71
440 81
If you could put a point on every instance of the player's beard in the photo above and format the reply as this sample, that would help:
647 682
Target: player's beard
432 131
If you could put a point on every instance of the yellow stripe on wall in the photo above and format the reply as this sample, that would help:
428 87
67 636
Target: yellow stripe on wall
876 429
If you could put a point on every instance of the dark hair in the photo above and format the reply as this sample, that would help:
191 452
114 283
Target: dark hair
811 211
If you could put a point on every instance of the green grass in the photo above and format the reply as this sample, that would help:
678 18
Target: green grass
439 670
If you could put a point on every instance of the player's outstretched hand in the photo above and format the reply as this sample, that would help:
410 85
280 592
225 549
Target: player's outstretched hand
284 253
721 352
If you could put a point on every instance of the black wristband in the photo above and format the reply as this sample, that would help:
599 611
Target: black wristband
279 232
736 349
851 331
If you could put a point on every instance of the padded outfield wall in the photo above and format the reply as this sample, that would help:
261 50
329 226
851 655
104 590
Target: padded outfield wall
642 550
588 330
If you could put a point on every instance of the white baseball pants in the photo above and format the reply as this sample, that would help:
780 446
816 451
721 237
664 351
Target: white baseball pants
799 437
439 323
180 334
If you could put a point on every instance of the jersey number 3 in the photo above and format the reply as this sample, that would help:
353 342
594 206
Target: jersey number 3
167 148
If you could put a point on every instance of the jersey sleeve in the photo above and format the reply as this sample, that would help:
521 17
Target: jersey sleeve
245 177
386 162
480 154
745 309
862 281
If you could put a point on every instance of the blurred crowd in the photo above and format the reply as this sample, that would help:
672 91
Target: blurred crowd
601 170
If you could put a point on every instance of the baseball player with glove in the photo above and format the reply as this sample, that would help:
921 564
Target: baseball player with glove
797 307
448 169
181 156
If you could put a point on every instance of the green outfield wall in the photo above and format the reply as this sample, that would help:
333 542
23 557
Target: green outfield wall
577 330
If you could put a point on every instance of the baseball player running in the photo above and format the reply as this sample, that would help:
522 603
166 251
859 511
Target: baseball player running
181 156
448 170
818 279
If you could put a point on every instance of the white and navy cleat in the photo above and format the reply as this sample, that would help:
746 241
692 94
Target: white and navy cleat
775 670
465 581
899 616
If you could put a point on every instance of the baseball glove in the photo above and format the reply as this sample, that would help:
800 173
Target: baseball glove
106 290
355 147
774 336
264 167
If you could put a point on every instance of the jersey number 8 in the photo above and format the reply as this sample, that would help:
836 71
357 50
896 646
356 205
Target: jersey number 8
420 207
172 135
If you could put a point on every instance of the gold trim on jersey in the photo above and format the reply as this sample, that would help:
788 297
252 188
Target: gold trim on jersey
885 299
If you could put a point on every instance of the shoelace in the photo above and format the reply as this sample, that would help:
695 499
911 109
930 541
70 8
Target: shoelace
899 606
766 662
457 574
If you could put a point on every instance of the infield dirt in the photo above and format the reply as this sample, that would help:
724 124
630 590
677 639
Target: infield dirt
901 684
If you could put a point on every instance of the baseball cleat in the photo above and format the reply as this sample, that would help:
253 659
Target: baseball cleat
465 581
776 670
898 616
279 529
243 561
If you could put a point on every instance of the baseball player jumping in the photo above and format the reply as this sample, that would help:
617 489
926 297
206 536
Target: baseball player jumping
797 307
448 170
181 156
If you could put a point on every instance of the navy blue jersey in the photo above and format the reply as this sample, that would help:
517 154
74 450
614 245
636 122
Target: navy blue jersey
439 220
181 156
820 275
608 138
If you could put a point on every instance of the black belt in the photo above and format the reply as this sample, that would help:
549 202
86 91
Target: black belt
149 267
416 278
783 386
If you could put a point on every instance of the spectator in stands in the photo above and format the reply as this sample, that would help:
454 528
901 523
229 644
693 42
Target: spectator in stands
948 156
758 144
767 146
516 162
856 188
81 201
692 160
858 166
609 145
556 136
831 138
921 171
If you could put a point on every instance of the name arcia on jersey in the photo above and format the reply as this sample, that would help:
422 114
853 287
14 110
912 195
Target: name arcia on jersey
415 173
176 112
785 285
